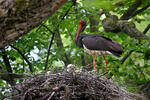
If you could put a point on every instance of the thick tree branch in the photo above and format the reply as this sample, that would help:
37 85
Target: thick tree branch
18 17
5 76
132 31
113 24
131 10
140 10
28 62
146 29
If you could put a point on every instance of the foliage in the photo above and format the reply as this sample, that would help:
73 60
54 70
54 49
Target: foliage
135 70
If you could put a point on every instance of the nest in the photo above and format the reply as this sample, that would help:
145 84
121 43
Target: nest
69 86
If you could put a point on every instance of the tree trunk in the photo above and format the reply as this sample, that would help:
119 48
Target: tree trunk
19 17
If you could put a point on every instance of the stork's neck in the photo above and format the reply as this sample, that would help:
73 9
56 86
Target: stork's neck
78 32
79 40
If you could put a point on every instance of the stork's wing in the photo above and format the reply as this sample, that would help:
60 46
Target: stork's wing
96 42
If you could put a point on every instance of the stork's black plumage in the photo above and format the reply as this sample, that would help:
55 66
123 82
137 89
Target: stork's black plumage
96 45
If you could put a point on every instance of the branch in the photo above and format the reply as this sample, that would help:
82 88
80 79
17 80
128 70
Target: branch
112 24
140 10
131 10
126 56
122 61
146 29
53 34
74 2
5 76
30 65
8 67
50 44
6 61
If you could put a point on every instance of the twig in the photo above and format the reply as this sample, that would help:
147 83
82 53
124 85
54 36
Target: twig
51 96
66 13
131 10
67 93
53 34
19 51
48 28
146 29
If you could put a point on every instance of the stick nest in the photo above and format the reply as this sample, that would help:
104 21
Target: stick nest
69 86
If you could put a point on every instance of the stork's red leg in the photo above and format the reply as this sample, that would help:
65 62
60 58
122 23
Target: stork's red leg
94 63
106 64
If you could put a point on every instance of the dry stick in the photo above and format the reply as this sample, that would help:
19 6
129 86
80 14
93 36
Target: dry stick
51 96
53 34
19 51
146 29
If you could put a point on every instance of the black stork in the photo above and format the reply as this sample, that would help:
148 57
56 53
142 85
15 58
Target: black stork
96 45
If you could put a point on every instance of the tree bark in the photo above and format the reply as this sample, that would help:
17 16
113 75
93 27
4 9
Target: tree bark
19 17
113 24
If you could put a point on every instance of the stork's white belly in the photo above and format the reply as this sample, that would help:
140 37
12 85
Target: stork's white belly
96 52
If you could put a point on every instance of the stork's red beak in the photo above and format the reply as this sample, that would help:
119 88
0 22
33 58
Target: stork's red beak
79 30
